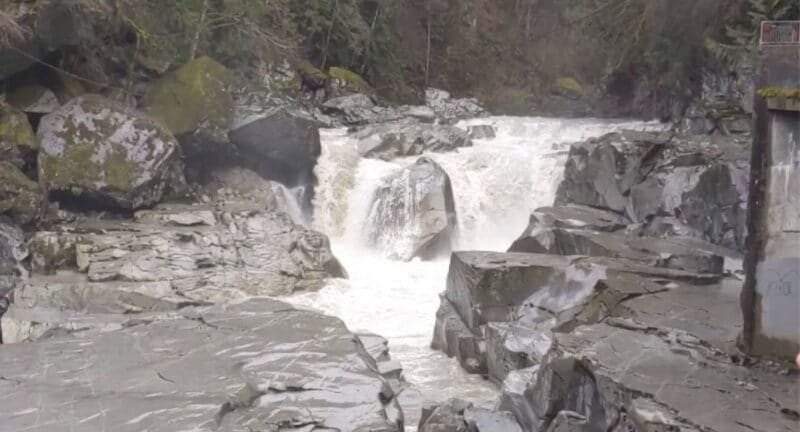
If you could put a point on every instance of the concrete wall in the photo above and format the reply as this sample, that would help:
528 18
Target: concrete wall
771 295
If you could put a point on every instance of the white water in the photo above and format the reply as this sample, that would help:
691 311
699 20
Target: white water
497 183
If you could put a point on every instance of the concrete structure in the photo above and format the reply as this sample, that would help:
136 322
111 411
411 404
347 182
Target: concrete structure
771 295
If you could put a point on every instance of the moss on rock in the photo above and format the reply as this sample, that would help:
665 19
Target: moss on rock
106 148
19 195
349 79
15 132
195 96
307 71
569 85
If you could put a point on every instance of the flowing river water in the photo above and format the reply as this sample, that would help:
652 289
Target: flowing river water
496 183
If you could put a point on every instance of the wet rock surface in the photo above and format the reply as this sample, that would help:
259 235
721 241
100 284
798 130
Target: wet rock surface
697 180
360 109
413 212
389 141
280 144
258 365
607 344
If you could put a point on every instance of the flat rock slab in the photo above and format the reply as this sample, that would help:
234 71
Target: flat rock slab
259 365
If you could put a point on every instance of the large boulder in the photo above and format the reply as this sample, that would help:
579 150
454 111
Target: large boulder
231 368
18 144
196 104
96 147
280 145
389 141
413 212
701 184
20 197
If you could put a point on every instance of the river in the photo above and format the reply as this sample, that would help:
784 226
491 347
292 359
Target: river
496 183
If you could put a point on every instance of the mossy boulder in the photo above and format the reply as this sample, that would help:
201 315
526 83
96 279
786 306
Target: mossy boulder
194 101
344 81
108 150
17 141
569 85
19 196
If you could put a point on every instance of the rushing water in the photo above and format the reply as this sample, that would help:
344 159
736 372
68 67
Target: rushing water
496 183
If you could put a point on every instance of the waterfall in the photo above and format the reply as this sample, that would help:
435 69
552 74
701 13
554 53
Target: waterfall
496 183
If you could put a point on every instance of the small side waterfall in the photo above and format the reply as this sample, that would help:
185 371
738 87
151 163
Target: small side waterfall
496 184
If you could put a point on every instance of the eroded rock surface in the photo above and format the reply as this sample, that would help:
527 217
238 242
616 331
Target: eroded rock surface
169 258
413 212
250 366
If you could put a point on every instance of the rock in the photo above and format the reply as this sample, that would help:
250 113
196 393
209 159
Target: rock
201 254
353 109
95 146
590 178
568 216
12 251
391 141
646 175
688 254
706 199
481 131
280 145
413 212
245 185
449 109
621 371
343 81
34 99
498 309
20 197
447 417
201 368
196 104
359 109
484 420
18 144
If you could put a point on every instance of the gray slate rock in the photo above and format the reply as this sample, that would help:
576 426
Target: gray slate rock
251 366
485 420
413 212
450 109
389 141
281 145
